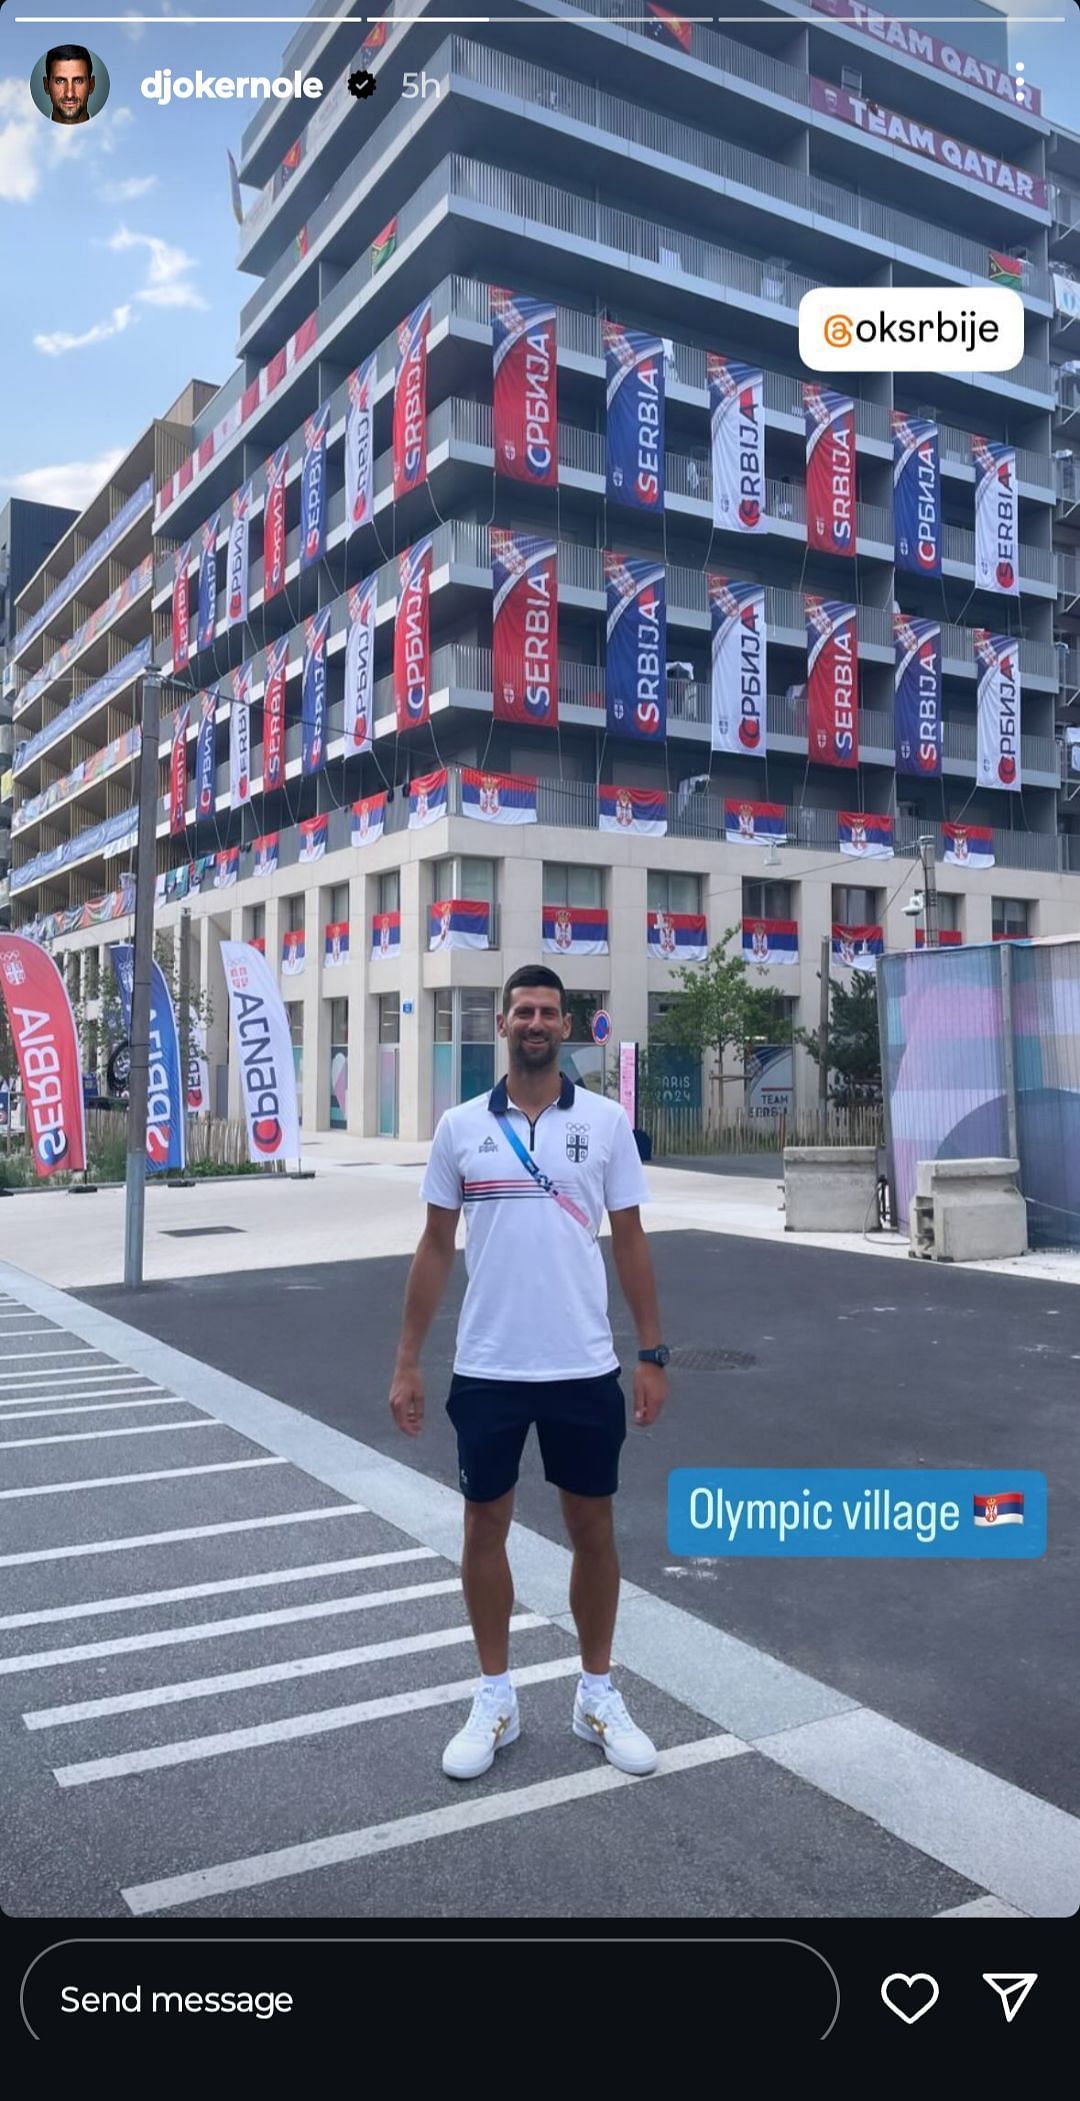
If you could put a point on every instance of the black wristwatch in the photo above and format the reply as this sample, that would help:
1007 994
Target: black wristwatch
660 1355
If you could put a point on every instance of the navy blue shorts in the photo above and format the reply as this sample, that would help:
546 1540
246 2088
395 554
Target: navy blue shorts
580 1426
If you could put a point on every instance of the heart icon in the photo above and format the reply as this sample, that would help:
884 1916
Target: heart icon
918 1988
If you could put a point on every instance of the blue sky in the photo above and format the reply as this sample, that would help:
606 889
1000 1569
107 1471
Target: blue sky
122 237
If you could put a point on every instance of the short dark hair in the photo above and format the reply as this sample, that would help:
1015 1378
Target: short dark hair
532 974
68 51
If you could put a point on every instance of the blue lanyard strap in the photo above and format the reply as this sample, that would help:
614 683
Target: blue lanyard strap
542 1180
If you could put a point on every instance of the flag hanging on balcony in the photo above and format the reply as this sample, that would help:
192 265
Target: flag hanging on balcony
313 489
832 682
524 629
277 657
635 417
1004 269
948 937
997 518
737 422
236 569
524 359
677 937
755 824
369 819
313 693
917 521
574 930
857 947
205 770
667 28
226 867
267 852
459 922
427 799
1072 748
636 676
498 798
293 952
336 947
274 542
969 845
631 809
313 832
412 637
410 401
240 738
766 941
865 835
360 666
289 165
385 935
830 470
384 244
178 772
360 445
181 612
737 614
998 682
207 609
258 943
918 696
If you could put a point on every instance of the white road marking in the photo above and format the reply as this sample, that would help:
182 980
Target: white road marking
23 1444
166 1473
89 1608
75 1349
137 1399
12 1334
99 1385
66 1371
183 1532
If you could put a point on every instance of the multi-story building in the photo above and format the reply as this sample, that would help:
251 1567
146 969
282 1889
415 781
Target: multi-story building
28 531
690 184
1063 160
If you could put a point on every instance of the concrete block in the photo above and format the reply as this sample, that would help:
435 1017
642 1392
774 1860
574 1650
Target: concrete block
967 1211
830 1188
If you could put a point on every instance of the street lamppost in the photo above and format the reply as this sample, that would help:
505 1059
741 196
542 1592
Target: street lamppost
928 852
142 958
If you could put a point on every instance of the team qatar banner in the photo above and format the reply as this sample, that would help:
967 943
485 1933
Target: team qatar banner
410 401
997 518
293 952
226 867
267 851
313 835
524 356
865 835
677 937
524 629
360 665
165 1120
969 845
360 445
908 36
264 1049
369 819
574 930
46 1045
766 941
181 611
918 696
178 772
313 693
998 682
755 824
857 947
236 563
274 545
205 769
412 637
830 470
917 520
459 922
636 675
385 935
642 810
737 615
427 799
240 738
207 609
313 479
737 426
498 798
336 944
635 417
277 658
974 163
832 698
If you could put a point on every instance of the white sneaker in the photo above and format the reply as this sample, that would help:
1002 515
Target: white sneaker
602 1719
493 1723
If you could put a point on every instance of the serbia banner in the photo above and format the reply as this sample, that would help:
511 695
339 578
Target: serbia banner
46 1045
969 845
635 417
412 638
918 696
864 835
410 402
997 518
385 935
240 738
526 414
205 770
226 867
636 676
313 489
574 930
293 952
178 772
525 629
165 1120
236 565
427 799
737 614
369 819
336 945
360 665
677 937
832 682
459 922
755 824
917 521
313 833
857 947
498 798
267 851
737 422
313 696
632 810
207 613
830 470
264 1049
277 657
766 941
277 469
998 660
360 446
181 612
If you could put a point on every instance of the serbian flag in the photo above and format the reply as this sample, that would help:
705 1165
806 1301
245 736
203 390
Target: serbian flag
360 665
277 657
236 566
525 629
498 798
737 428
916 495
412 637
207 613
46 1044
292 952
336 949
313 489
205 771
369 819
313 831
677 937
459 922
178 772
755 824
998 710
830 470
240 738
360 445
227 867
766 941
969 845
635 417
631 809
917 683
997 518
267 851
277 468
1003 1508
636 676
385 935
410 401
574 930
427 799
668 28
832 682
739 646
857 947
948 937
258 942
181 613
313 698
525 431
865 835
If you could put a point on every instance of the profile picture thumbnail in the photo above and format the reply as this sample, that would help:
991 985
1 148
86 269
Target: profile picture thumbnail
70 84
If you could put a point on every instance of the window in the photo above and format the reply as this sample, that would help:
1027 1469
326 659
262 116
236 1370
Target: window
948 911
339 1021
670 891
442 880
1012 918
294 912
444 1014
255 929
767 900
389 1017
580 1058
390 891
853 906
567 884
477 1015
463 875
339 904
295 1011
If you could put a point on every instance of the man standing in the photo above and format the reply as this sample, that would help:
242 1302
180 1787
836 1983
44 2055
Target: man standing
535 1163
69 83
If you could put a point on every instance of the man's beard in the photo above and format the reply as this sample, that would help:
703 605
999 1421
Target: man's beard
534 1056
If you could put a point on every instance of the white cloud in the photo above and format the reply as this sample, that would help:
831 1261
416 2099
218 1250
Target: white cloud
60 342
126 191
133 29
72 484
167 281
23 141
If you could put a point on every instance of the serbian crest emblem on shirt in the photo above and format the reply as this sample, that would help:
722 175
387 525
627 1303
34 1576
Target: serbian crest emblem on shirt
577 1143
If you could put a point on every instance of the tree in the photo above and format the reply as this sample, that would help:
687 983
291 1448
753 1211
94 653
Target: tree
720 1010
107 1031
854 1051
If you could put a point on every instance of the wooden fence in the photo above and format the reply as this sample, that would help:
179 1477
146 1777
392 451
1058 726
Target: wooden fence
679 1133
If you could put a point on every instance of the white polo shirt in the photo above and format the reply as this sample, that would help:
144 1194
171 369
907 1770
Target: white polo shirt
536 1301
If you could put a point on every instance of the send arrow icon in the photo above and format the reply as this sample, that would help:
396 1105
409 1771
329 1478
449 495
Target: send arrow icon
1012 1989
